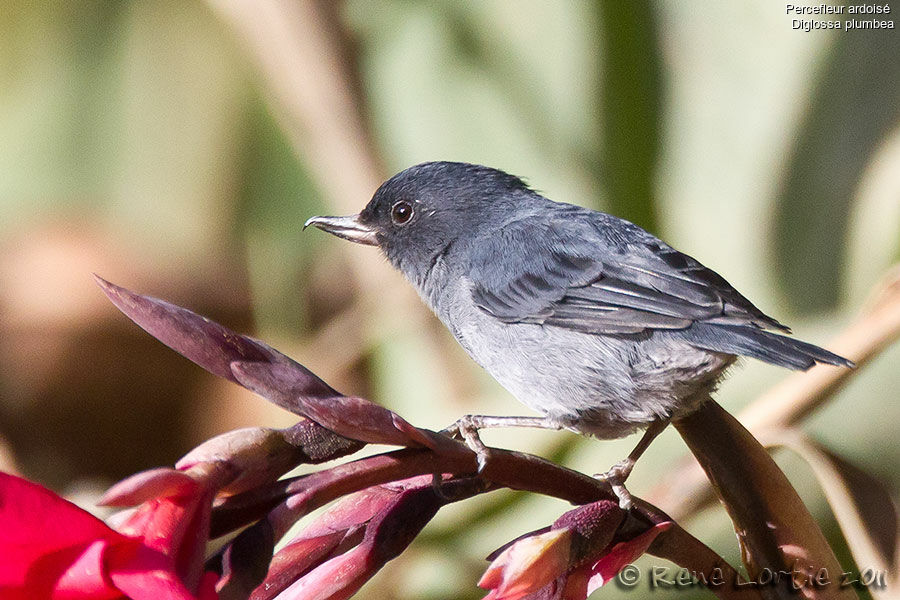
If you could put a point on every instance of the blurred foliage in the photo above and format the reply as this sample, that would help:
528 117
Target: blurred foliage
854 107
631 109
278 260
140 141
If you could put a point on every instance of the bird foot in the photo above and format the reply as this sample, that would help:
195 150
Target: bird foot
436 480
616 477
466 429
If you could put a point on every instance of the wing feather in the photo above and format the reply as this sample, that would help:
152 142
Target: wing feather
587 276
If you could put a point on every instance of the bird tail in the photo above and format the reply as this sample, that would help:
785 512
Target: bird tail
764 345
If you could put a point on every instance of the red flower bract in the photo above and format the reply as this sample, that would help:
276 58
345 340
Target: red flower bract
52 549
585 548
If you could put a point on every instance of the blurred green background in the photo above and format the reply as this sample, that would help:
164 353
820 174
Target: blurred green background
176 147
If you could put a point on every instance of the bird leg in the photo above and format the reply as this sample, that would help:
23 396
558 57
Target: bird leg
467 428
620 471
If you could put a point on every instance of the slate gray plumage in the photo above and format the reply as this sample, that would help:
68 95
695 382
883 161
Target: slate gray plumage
584 317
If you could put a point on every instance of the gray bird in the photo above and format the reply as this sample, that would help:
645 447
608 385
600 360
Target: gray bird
584 317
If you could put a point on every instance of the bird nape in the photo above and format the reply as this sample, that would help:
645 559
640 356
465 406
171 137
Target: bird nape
586 318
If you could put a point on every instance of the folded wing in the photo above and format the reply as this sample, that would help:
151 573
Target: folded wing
587 276
596 274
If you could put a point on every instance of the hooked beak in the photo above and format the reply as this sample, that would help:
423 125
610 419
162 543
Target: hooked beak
349 228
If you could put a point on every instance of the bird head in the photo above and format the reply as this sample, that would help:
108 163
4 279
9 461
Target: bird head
417 214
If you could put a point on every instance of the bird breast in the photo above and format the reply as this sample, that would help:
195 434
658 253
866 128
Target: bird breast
602 385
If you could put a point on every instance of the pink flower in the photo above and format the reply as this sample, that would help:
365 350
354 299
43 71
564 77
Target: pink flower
53 549
339 552
582 550
528 565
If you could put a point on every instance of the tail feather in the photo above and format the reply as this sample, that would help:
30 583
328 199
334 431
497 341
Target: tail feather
764 345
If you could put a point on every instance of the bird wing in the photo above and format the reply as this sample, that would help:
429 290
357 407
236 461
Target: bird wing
598 274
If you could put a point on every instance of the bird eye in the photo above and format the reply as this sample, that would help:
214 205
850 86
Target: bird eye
401 212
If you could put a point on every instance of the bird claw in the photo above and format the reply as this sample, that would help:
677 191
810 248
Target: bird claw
452 431
466 428
616 477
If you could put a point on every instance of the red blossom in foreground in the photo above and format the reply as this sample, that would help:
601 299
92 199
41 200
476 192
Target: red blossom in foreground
582 550
53 549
